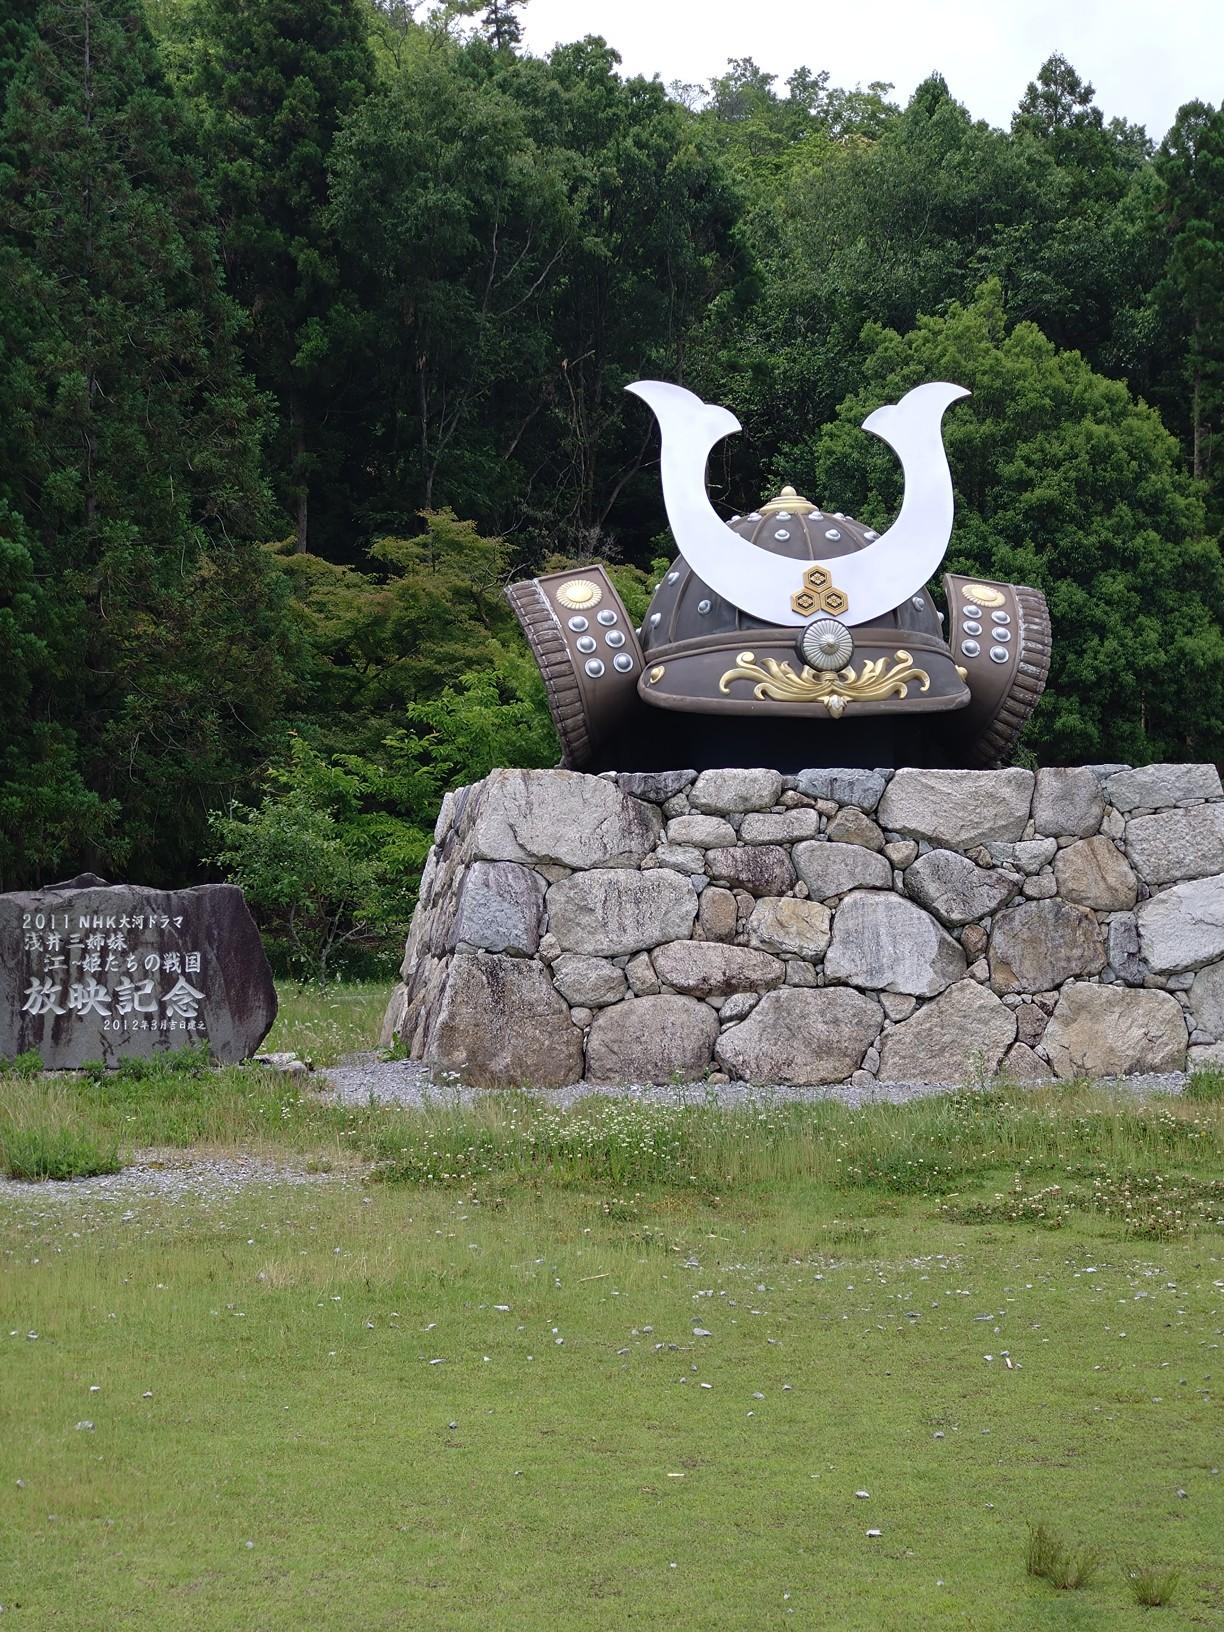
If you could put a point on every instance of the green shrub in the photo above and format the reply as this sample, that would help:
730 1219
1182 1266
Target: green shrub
28 1064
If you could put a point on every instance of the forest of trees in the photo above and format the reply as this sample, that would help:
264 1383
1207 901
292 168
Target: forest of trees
315 318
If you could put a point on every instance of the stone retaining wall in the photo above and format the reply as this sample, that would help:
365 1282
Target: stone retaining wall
840 924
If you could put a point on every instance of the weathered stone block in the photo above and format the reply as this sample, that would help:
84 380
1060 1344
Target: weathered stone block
717 915
1041 888
850 826
901 853
790 926
1177 844
1095 873
651 1039
682 858
562 817
445 816
1183 927
1023 1065
898 1005
1068 800
396 1013
655 786
956 889
958 809
843 786
883 943
962 1035
1207 1000
1040 944
1031 1022
799 972
786 828
732 791
737 1007
710 969
835 869
499 909
591 983
700 831
615 910
1113 1031
500 1024
801 1036
1122 947
761 869
1157 787
1029 855
639 971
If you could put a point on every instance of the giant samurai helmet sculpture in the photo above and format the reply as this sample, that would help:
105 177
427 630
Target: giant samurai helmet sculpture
792 636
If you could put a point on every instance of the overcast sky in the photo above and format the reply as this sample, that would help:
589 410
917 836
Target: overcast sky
1144 57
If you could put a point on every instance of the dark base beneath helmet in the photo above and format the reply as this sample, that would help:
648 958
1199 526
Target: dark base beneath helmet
664 740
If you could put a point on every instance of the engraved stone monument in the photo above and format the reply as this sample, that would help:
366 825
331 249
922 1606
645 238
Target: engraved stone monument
98 971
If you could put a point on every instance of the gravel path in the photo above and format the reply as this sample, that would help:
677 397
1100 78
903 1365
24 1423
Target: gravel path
365 1078
167 1175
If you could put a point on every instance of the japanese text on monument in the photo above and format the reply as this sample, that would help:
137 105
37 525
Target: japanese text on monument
103 964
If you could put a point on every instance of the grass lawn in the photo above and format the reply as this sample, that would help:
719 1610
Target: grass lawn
616 1367
323 1023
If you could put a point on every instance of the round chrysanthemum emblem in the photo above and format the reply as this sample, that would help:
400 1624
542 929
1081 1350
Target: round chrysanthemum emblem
579 594
827 644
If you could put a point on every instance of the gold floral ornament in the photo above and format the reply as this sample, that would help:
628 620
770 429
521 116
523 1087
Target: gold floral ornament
579 594
819 594
779 682
983 594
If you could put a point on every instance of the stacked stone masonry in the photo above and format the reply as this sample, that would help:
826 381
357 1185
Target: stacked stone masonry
907 926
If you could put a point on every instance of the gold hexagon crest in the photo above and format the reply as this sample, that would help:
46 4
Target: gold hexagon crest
819 593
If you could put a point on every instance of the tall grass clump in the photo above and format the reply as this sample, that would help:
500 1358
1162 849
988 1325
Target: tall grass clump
1205 1087
1152 1586
42 1137
1050 1559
